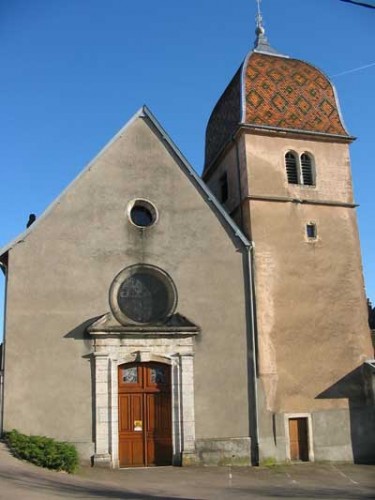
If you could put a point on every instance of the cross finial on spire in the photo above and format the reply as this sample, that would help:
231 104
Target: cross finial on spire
259 17
261 42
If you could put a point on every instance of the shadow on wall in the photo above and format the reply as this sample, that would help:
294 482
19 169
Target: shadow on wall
80 333
358 387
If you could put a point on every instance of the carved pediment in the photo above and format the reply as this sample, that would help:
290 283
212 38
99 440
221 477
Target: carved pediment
177 324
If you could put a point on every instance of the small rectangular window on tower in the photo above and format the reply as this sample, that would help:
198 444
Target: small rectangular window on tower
223 181
311 231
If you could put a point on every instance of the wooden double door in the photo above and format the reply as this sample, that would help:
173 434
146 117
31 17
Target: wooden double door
145 415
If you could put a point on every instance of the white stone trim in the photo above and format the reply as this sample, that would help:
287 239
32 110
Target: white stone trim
187 397
288 416
109 354
143 202
102 455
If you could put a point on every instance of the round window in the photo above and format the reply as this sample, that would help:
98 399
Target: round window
142 213
142 294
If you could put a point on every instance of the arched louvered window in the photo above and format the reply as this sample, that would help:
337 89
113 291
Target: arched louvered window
291 165
307 174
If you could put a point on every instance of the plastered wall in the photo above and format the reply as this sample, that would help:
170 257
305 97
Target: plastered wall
59 277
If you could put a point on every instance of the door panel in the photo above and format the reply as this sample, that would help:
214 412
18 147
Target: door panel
131 453
298 438
303 440
131 439
145 415
158 429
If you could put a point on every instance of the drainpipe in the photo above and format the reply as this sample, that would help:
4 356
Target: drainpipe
250 306
254 346
2 360
1 400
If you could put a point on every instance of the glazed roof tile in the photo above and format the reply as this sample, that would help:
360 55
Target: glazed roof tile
288 93
274 92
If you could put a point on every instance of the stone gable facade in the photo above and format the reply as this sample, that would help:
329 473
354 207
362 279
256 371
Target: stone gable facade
157 318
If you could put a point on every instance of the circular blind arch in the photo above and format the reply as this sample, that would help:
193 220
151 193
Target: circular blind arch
142 294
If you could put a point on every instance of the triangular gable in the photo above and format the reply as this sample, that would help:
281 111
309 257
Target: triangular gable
205 192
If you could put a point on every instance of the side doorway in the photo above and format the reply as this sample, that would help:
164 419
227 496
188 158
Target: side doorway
145 414
299 439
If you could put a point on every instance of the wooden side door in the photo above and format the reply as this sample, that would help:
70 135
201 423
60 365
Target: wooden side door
298 438
145 415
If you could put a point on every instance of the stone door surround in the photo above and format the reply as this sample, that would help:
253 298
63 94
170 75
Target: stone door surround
114 349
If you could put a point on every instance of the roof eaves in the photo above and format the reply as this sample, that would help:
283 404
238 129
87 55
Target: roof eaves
270 128
269 53
21 237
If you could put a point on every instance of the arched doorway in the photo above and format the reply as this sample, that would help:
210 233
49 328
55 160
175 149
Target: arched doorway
145 414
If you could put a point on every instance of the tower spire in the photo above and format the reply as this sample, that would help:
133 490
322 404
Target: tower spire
261 42
259 18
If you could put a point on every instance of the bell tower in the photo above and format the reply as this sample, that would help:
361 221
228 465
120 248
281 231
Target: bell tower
277 157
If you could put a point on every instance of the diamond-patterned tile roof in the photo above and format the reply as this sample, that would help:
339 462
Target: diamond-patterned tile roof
289 94
277 92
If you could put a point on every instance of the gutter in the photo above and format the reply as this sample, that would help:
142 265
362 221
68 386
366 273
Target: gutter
2 359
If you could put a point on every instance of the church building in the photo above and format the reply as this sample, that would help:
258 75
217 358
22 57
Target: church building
155 317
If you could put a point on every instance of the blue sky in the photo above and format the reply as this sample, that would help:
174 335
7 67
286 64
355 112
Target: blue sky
74 71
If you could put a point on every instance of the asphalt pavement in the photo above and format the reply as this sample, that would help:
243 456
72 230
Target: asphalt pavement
23 481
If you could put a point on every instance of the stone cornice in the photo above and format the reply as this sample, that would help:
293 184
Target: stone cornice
302 201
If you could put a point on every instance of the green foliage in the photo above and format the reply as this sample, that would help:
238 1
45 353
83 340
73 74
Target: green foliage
43 451
269 462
